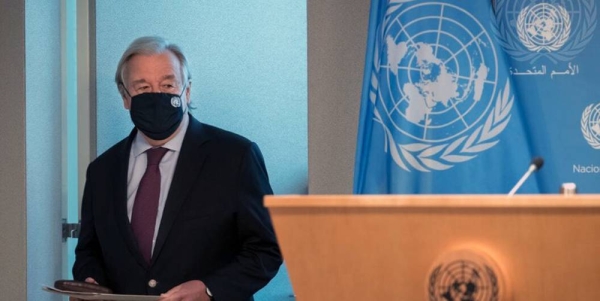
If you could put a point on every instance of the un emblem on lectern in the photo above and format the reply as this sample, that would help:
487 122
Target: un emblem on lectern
464 275
463 280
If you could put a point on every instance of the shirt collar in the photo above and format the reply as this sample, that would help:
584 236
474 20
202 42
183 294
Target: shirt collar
140 145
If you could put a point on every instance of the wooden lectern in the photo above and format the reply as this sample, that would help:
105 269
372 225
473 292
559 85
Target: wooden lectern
546 247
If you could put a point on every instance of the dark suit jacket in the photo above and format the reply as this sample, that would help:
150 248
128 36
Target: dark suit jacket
214 227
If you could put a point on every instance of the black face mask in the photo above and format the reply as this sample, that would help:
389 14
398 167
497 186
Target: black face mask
157 115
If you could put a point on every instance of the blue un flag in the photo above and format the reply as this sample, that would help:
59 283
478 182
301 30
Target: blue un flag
458 96
439 110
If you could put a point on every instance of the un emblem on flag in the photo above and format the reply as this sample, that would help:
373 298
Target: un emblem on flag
436 86
558 30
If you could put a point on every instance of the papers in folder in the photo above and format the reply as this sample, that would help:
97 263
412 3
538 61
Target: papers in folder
98 296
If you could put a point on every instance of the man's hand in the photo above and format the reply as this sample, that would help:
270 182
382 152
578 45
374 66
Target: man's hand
194 290
88 280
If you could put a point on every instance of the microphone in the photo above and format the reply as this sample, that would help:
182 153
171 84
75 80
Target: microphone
536 164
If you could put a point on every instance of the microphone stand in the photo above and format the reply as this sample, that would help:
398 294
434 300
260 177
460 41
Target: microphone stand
536 164
531 169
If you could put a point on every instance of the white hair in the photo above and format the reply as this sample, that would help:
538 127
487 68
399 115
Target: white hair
147 46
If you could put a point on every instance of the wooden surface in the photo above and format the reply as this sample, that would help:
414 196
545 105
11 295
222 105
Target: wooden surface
382 247
429 201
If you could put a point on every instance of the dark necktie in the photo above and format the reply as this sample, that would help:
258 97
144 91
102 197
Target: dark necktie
145 206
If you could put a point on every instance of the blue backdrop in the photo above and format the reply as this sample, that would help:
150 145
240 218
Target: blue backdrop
458 97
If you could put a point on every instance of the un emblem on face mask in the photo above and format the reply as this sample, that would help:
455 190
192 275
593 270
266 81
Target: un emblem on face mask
590 125
438 94
176 101
558 30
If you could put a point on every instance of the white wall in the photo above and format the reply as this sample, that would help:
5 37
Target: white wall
337 35
13 260
30 172
43 145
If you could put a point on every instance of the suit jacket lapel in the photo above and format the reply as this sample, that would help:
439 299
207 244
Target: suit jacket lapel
120 199
188 167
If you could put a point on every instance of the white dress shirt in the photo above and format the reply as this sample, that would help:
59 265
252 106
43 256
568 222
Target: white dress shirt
137 167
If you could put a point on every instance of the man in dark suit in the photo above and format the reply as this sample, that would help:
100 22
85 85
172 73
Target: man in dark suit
175 209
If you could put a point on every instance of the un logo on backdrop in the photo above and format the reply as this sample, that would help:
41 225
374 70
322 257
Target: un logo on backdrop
590 125
556 29
544 27
437 89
